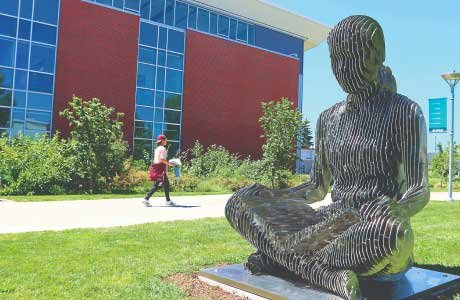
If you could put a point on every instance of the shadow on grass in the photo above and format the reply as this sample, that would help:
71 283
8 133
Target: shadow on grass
450 270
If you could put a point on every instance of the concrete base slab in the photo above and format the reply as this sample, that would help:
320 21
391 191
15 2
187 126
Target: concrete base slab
416 284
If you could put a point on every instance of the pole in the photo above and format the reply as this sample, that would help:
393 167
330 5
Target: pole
451 154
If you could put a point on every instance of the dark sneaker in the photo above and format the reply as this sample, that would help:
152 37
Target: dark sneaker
146 203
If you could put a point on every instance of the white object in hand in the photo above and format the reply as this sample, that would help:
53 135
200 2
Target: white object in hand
176 162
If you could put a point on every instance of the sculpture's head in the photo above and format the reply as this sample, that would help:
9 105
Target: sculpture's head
357 49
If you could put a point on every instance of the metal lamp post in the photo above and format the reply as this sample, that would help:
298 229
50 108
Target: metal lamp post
452 79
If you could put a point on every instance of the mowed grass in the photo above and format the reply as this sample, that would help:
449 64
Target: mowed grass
130 262
100 196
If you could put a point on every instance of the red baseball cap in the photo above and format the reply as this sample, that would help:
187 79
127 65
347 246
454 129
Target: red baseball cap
161 137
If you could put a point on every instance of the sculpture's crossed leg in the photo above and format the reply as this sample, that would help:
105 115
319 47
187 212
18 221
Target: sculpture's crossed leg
375 244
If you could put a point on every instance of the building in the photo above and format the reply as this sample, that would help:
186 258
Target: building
194 70
305 163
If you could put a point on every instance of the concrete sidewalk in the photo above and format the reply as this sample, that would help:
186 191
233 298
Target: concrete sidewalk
60 215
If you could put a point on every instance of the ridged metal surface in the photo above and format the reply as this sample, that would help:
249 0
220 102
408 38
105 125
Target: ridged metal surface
372 148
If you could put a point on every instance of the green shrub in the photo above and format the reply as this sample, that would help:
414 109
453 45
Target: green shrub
34 165
96 143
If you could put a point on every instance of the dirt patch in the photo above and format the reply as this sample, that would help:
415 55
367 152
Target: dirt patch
195 288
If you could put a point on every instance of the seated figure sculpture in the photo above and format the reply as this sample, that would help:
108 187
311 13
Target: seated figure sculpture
371 148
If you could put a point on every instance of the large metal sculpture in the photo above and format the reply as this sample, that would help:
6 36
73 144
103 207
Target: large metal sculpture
372 147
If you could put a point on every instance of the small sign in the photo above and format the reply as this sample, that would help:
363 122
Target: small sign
438 115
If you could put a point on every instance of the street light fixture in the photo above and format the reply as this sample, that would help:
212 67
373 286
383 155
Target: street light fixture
452 79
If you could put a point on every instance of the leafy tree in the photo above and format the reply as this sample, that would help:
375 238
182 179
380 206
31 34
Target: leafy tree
305 136
96 142
280 123
440 163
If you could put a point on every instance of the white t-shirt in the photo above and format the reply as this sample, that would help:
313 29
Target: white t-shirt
160 154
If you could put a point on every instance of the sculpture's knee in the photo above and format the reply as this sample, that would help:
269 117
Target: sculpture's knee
402 256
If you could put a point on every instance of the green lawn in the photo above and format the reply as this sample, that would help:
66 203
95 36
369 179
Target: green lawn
98 196
129 263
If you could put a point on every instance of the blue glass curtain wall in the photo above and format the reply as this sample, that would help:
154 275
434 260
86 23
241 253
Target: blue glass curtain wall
159 88
28 38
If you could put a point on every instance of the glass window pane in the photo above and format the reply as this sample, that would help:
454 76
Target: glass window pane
9 7
20 80
5 97
5 117
146 76
38 120
144 113
173 149
143 130
148 34
159 115
22 55
251 34
233 24
172 132
8 26
203 20
176 41
118 4
40 82
158 11
242 31
157 129
161 78
223 26
132 5
213 24
26 9
173 101
162 38
159 99
24 29
144 97
44 33
6 78
19 117
169 14
162 58
172 116
147 55
181 15
46 11
174 81
175 61
42 58
142 149
40 101
7 52
19 99
192 11
145 9
106 2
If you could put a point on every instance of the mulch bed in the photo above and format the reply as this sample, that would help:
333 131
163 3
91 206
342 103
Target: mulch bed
195 288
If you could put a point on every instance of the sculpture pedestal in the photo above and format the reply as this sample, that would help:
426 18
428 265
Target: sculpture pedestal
417 283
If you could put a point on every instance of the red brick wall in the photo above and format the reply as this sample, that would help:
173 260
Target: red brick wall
97 57
224 86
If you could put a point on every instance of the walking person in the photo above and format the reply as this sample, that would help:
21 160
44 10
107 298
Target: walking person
159 171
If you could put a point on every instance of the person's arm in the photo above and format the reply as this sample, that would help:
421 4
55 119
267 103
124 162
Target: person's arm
317 188
413 148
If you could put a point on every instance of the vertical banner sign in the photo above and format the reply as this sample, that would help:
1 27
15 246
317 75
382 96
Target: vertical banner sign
438 115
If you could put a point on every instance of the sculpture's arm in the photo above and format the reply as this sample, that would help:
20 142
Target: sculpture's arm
317 188
413 147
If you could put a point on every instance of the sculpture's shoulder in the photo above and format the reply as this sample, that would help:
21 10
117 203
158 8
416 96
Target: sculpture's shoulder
405 107
332 111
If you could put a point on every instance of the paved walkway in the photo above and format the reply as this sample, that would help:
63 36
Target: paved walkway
60 215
